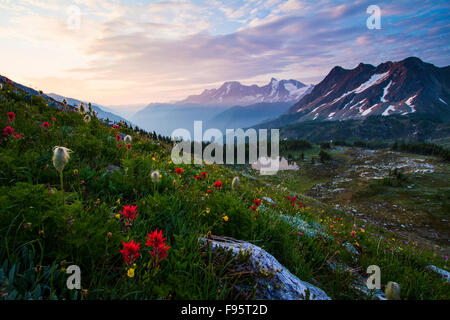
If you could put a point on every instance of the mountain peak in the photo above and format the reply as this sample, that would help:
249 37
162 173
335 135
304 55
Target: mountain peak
407 86
233 93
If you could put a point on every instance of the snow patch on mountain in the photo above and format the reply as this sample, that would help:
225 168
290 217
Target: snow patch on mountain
375 79
369 110
385 91
409 103
388 109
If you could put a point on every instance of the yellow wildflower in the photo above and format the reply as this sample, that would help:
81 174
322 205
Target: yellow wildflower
117 216
225 218
130 273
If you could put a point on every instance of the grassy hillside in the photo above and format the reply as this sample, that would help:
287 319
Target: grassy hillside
43 230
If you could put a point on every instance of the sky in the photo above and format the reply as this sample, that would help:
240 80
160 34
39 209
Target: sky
131 52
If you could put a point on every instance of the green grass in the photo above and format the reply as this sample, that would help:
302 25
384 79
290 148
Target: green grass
41 236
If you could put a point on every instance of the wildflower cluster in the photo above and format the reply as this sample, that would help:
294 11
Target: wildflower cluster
8 130
294 201
159 248
158 251
203 175
129 213
256 204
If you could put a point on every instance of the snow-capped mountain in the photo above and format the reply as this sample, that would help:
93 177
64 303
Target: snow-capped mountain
234 93
404 87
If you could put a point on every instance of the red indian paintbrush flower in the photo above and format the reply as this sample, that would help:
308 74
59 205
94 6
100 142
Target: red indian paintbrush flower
179 171
218 184
45 124
204 174
130 252
197 177
257 202
156 241
128 146
254 208
129 213
118 137
11 116
8 131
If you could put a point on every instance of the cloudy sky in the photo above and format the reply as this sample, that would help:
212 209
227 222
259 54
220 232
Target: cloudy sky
134 52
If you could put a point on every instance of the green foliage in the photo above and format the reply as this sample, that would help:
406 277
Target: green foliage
422 148
324 156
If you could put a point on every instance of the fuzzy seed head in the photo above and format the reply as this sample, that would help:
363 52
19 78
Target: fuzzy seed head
82 108
61 156
392 291
155 176
87 118
235 183
127 139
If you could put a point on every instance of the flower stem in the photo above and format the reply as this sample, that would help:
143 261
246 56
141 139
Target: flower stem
62 186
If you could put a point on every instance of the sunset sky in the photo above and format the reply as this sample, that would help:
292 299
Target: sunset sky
137 52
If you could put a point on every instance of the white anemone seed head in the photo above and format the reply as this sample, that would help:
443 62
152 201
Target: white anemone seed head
61 156
127 139
392 291
87 118
82 108
235 183
155 176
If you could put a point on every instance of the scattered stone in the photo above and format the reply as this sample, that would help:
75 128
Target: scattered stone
444 274
111 168
268 200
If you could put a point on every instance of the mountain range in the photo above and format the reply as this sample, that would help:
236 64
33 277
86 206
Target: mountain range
231 106
234 93
404 87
